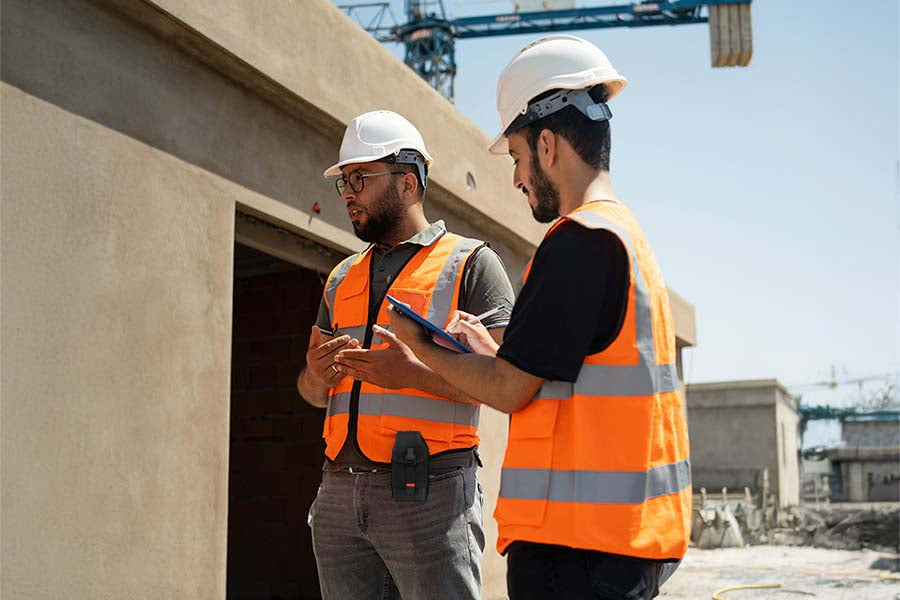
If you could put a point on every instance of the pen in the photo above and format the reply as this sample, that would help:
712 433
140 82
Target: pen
490 312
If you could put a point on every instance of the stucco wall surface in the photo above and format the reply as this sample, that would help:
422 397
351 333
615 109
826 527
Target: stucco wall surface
871 434
116 316
311 57
739 437
788 459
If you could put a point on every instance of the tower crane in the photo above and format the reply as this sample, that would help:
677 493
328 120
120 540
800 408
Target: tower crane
429 37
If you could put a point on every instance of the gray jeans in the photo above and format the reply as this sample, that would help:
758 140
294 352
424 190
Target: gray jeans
369 547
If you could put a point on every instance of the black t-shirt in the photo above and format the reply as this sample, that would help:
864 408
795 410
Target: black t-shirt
572 304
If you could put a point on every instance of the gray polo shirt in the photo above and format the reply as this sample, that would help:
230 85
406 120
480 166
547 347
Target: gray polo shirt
484 286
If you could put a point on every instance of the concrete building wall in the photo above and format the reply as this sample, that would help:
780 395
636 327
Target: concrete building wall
739 428
869 463
788 421
730 445
883 480
134 133
115 344
866 474
871 434
871 480
685 327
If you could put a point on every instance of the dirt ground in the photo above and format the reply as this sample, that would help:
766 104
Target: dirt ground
803 572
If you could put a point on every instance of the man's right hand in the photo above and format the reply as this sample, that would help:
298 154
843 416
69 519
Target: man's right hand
470 331
320 357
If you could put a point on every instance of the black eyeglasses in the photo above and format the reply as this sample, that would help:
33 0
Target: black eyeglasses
356 180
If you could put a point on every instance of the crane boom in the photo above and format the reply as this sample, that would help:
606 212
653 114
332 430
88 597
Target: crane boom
628 15
429 37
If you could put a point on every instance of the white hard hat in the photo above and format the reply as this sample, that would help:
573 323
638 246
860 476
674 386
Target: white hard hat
378 135
562 62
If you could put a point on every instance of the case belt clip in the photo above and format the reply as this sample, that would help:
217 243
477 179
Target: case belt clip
409 467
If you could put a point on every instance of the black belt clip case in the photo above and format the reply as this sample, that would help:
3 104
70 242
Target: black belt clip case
409 467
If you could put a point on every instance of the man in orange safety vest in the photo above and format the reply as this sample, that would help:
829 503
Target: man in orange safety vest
399 511
595 498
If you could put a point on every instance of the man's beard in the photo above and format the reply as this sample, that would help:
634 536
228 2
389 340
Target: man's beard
382 217
546 194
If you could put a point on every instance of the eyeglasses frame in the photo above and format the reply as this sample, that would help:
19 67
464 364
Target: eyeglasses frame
341 183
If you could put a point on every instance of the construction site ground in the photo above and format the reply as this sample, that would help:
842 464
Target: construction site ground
803 572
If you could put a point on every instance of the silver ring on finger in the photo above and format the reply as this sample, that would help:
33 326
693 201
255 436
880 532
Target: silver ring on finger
334 368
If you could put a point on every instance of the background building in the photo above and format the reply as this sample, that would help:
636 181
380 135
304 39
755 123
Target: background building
867 468
165 234
738 429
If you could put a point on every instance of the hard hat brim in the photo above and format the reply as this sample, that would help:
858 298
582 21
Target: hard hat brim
499 145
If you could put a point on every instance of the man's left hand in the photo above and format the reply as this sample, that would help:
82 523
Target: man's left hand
393 367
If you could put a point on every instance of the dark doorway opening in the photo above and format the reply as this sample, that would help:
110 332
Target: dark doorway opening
276 449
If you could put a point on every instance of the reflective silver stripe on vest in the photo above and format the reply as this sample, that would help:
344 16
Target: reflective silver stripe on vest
335 280
595 487
442 296
642 379
338 404
615 380
411 407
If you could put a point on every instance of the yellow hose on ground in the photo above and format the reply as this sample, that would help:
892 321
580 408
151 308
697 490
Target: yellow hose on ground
758 586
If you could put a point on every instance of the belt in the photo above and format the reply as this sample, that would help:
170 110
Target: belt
438 463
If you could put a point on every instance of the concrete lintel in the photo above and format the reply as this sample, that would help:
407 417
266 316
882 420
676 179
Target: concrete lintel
299 222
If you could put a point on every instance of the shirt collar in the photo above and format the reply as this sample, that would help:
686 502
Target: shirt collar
426 237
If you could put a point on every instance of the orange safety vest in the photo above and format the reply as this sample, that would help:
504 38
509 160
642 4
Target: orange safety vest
430 284
602 463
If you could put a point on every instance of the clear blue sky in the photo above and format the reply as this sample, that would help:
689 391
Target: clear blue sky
770 193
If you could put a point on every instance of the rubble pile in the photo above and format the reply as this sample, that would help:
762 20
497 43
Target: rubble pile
837 527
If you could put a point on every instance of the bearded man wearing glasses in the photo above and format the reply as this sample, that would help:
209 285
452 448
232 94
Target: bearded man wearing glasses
413 528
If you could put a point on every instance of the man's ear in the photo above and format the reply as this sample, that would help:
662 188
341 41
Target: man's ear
411 185
547 147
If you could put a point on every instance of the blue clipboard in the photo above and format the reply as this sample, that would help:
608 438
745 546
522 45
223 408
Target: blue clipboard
404 309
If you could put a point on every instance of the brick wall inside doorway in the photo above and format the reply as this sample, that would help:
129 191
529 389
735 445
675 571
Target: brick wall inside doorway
276 448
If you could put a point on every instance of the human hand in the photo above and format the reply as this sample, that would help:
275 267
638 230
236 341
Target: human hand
393 367
320 356
408 331
470 331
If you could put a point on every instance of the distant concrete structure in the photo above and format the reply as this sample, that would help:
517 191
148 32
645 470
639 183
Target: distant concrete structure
815 480
867 468
740 430
165 234
870 432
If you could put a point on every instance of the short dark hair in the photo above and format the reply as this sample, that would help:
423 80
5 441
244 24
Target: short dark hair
590 139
